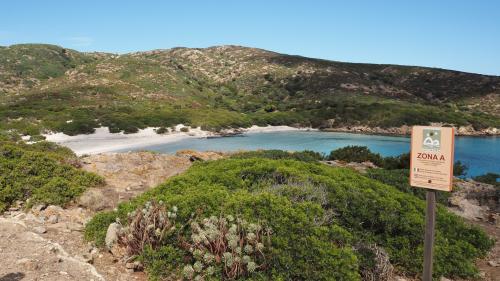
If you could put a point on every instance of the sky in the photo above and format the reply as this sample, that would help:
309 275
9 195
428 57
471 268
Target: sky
460 35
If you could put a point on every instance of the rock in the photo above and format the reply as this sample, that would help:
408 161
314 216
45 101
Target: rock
88 258
94 251
38 208
445 279
493 263
53 219
137 171
28 264
73 226
112 235
40 229
53 210
138 266
93 199
474 200
135 266
199 155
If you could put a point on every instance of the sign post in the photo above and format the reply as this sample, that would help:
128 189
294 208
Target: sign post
431 167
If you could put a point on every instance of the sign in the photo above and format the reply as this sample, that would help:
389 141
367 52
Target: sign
431 161
431 167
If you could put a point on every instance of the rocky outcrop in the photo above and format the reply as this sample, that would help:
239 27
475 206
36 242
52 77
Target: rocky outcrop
475 201
128 175
360 167
193 155
406 130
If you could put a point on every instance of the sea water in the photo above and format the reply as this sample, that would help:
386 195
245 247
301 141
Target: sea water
480 154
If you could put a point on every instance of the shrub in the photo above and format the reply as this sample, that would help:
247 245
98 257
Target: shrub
306 155
400 180
305 246
184 129
37 172
460 169
397 162
161 130
356 154
489 178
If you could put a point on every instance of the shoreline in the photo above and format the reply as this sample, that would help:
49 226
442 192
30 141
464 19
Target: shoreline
405 131
102 141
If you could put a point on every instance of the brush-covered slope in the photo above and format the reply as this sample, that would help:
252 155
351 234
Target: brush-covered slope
319 222
48 87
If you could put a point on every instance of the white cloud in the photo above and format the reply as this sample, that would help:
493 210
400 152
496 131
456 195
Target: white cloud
80 41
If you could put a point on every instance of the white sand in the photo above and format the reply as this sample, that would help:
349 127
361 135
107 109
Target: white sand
103 141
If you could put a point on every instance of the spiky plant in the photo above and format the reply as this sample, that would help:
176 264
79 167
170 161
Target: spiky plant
227 246
147 227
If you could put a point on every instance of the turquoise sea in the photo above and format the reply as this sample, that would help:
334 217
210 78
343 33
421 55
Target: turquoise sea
481 154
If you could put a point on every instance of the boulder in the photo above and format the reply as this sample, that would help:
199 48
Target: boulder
93 199
112 234
40 229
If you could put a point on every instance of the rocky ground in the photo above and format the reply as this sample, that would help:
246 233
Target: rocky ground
46 242
479 204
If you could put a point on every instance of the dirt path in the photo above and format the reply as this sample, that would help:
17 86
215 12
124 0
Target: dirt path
490 265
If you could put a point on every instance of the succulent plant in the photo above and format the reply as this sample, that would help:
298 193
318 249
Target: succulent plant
147 227
229 245
188 271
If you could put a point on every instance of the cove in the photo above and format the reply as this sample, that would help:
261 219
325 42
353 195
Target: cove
481 154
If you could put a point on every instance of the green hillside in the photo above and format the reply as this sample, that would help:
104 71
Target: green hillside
45 87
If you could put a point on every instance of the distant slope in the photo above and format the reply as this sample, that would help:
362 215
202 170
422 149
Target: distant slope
49 87
26 65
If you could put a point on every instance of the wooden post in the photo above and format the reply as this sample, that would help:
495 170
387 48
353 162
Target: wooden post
430 220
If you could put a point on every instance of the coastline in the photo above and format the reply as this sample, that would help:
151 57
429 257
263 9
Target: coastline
102 141
405 131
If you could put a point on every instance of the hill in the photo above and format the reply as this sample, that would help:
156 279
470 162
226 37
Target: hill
45 87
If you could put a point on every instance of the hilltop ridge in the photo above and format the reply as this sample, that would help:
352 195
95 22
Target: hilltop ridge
47 87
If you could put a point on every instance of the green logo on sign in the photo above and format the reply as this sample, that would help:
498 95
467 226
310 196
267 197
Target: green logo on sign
431 139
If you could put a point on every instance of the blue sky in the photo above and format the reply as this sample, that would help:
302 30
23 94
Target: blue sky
460 35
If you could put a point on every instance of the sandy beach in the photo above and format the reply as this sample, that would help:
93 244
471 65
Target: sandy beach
102 140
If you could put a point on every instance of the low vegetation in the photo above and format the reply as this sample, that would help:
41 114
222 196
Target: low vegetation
314 222
489 178
362 154
40 173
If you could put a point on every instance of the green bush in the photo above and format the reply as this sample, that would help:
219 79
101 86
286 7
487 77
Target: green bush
356 154
489 178
306 155
400 180
397 162
39 173
460 169
313 232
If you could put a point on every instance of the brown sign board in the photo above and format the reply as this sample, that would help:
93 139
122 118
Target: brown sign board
431 161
